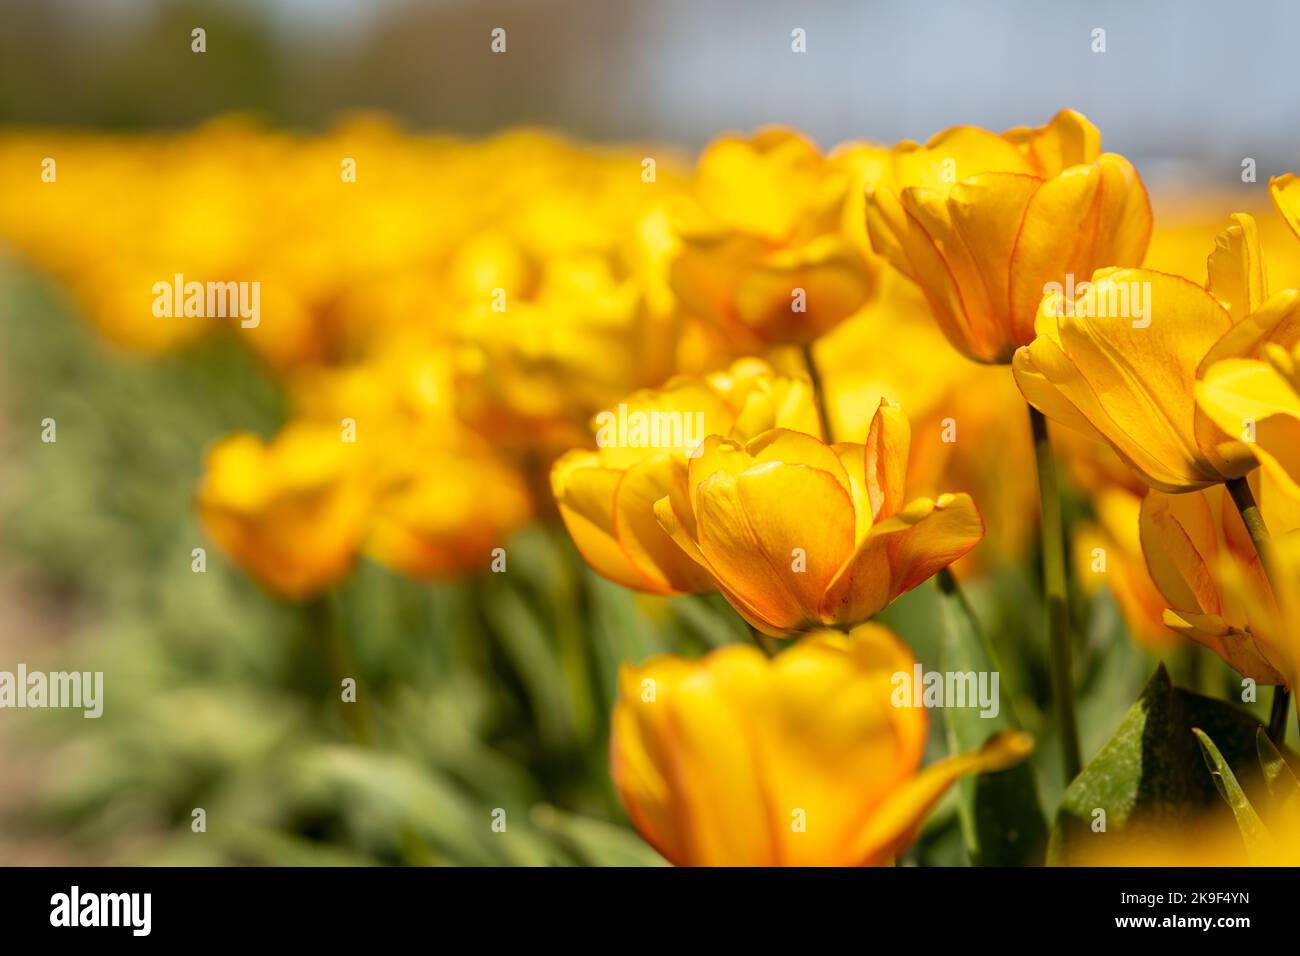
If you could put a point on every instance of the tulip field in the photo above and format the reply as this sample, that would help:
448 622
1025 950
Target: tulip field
441 499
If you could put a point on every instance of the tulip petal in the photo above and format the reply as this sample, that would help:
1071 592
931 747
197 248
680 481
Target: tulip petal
647 547
1087 218
1285 191
771 554
897 554
1068 139
1236 268
836 748
585 493
952 529
1179 541
961 249
1134 379
885 461
894 824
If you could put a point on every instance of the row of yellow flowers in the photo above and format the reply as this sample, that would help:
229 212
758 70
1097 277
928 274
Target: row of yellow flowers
448 316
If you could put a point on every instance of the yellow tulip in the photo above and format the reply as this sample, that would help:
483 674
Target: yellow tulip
606 497
448 515
984 223
1261 398
1250 379
291 512
746 519
766 254
1204 564
800 760
1130 381
913 365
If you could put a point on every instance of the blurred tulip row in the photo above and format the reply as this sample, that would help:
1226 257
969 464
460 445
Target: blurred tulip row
875 343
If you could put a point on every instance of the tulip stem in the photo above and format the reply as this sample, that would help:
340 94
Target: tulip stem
819 392
950 586
325 616
1057 595
1278 717
1244 499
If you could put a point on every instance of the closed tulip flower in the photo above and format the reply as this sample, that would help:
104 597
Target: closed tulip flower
292 512
984 222
745 519
606 497
800 760
765 252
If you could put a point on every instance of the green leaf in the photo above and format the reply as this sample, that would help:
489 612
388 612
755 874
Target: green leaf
1151 773
1251 826
1001 819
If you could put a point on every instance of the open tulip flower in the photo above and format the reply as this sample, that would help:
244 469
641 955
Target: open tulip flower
983 222
606 497
800 760
765 254
745 520
1131 382
1120 360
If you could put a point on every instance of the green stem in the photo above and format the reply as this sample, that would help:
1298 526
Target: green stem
326 619
1278 717
950 586
1056 595
819 392
1244 499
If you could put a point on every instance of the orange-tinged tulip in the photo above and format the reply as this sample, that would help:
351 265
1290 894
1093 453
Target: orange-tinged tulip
913 365
1127 375
606 497
745 520
766 254
1204 564
292 512
800 760
984 223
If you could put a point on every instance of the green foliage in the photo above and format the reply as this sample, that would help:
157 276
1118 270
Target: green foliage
1001 819
1150 774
